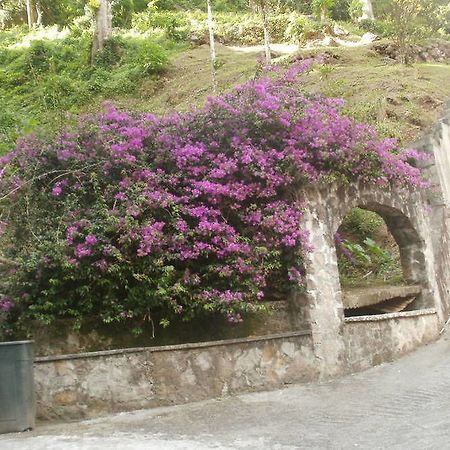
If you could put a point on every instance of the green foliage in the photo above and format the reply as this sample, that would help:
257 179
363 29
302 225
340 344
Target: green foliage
40 83
380 27
122 13
407 22
358 252
230 28
340 10
322 8
123 215
368 263
361 223
355 9
219 5
367 253
112 53
300 28
176 25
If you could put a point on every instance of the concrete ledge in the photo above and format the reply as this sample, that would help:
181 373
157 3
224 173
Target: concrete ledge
399 315
167 348
360 297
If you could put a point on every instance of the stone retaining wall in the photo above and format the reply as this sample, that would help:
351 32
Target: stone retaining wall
92 384
372 340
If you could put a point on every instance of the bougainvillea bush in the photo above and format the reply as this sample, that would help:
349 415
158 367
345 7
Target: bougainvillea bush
123 215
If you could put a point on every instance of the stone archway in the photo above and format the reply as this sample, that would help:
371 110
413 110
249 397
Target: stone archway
405 214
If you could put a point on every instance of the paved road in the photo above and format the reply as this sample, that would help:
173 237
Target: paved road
403 405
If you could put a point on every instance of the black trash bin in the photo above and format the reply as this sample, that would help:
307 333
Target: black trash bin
17 398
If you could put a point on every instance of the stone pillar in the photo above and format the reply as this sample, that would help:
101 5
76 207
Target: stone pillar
437 170
324 294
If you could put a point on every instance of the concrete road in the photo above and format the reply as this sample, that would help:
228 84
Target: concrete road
403 405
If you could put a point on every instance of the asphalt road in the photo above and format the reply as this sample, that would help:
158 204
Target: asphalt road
402 405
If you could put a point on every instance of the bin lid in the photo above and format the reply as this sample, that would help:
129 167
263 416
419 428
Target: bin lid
16 342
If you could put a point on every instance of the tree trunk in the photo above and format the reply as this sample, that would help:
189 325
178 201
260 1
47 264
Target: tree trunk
323 14
30 13
39 13
212 46
367 13
103 28
266 32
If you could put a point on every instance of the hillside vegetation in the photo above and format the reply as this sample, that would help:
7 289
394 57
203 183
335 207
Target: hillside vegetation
161 63
402 100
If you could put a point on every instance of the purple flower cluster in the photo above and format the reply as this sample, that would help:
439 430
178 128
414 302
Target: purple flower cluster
205 199
6 304
340 245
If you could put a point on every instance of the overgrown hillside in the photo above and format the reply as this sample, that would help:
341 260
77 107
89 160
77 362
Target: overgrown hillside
43 82
158 60
402 101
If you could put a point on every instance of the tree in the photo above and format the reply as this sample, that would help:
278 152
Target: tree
265 19
39 13
322 8
407 21
29 13
263 7
103 27
367 10
212 45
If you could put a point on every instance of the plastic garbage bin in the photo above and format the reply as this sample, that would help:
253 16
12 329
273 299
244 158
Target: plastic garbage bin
17 398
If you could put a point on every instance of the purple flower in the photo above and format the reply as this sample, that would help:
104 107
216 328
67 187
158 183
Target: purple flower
90 239
6 304
150 238
70 234
203 203
82 250
102 265
57 190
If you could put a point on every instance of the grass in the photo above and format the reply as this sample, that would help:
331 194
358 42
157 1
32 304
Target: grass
187 82
400 101
44 79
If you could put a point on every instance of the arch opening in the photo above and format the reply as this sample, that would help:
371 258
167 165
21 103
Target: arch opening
381 262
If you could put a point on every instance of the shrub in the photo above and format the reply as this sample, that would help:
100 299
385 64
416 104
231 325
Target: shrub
355 9
407 22
124 215
6 305
301 28
322 8
147 55
112 52
230 28
341 9
361 223
50 77
379 27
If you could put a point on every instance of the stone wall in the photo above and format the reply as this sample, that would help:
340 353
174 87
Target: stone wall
372 340
408 218
437 145
92 384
